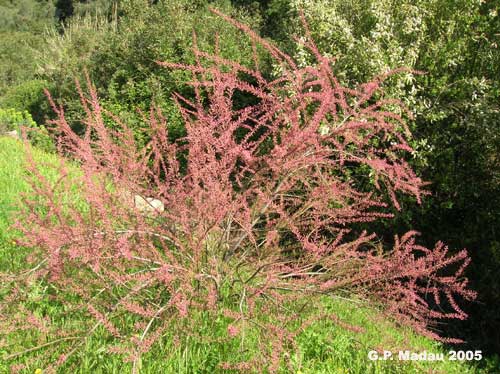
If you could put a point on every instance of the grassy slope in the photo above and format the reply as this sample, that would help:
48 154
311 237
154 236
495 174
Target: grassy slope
324 348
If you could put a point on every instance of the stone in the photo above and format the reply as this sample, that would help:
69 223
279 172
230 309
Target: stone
148 204
13 134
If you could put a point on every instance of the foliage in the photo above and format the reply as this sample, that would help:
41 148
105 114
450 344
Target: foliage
22 123
126 71
32 48
21 28
66 55
31 16
260 218
455 105
17 58
28 96
119 51
11 119
324 347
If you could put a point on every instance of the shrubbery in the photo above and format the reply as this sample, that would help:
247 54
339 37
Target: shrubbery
258 222
456 114
22 123
455 103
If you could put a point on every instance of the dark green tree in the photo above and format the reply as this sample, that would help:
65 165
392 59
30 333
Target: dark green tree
64 10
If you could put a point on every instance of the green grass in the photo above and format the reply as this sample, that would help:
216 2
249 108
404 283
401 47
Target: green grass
12 183
325 347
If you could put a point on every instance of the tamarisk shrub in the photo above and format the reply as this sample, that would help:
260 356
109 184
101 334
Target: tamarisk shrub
260 218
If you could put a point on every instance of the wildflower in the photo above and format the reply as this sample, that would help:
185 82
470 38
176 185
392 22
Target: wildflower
233 331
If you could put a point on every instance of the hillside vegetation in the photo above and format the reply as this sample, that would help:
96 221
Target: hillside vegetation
325 347
310 159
